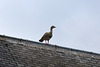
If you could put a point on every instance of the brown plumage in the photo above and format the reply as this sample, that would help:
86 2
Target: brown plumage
47 36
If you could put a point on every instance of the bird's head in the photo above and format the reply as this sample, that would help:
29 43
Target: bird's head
53 27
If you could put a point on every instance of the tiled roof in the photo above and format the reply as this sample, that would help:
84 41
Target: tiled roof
15 52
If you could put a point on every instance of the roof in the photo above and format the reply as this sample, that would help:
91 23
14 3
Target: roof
15 52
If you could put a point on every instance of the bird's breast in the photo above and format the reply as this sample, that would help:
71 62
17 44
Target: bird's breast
50 36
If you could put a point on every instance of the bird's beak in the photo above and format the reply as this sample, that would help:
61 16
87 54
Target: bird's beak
54 27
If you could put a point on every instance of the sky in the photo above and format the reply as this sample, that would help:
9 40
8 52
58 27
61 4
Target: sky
77 21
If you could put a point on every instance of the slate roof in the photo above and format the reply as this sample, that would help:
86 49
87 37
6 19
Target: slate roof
15 52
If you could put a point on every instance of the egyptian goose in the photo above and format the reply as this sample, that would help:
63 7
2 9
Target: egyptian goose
47 36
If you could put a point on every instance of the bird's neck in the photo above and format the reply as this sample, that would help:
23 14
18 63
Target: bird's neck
51 30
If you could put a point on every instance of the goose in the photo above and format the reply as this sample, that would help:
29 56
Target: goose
47 36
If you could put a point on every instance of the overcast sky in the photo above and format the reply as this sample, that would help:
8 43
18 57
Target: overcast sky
77 21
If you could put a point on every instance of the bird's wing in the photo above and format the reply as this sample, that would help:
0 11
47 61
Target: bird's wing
46 36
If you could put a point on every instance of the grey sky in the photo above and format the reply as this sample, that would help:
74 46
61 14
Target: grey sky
77 21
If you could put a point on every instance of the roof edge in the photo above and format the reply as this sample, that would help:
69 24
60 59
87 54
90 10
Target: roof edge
25 41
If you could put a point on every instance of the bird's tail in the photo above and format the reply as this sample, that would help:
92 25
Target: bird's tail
41 40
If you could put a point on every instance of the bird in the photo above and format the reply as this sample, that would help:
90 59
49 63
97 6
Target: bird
47 36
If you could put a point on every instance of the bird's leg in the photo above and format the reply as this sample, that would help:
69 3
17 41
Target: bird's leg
45 41
48 41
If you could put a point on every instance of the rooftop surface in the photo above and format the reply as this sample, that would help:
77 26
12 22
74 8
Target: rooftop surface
15 52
